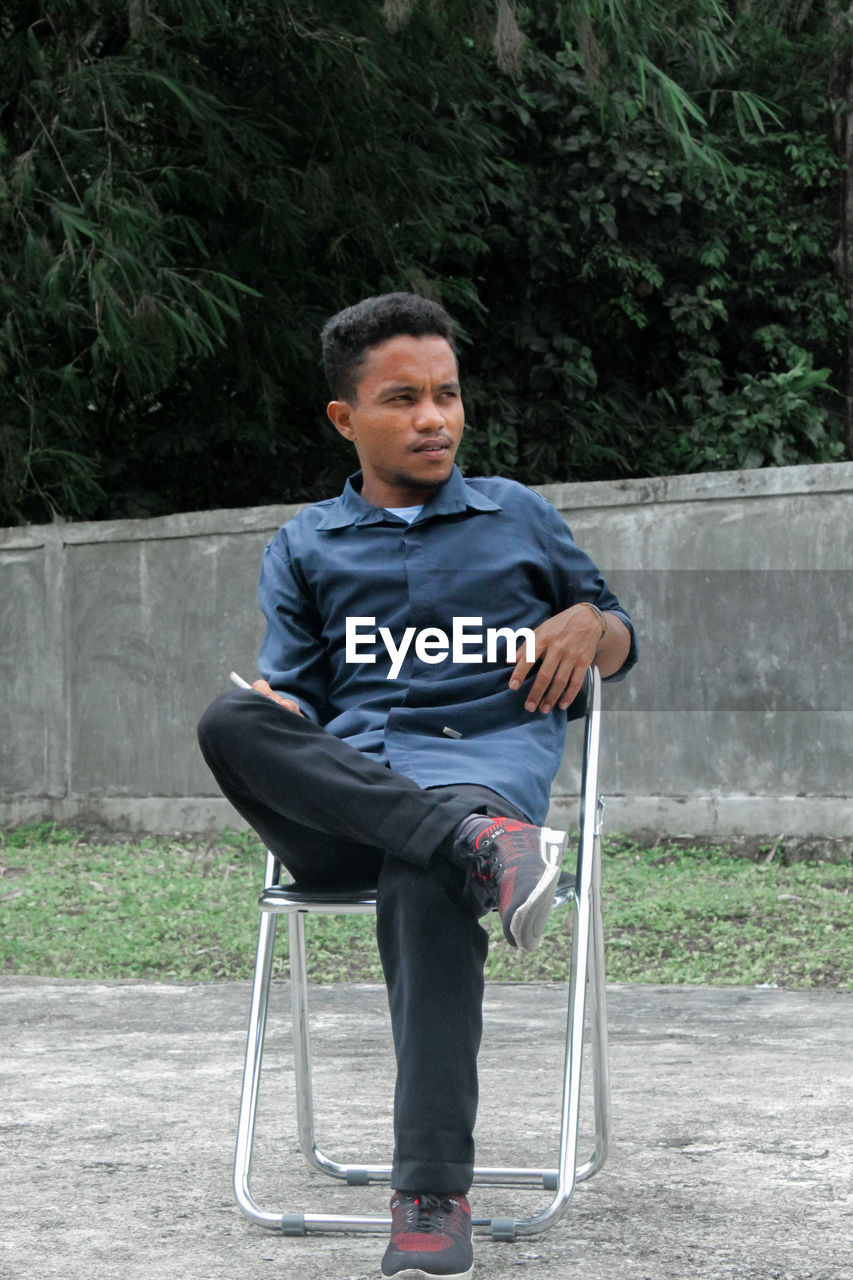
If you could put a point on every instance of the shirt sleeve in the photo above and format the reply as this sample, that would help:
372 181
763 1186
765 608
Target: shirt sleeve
575 577
292 657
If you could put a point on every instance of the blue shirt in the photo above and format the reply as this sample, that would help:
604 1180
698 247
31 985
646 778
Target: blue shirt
485 549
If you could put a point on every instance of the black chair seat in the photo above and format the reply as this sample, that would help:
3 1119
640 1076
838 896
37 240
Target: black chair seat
294 897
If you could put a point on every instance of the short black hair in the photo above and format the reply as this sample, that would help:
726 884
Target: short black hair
348 336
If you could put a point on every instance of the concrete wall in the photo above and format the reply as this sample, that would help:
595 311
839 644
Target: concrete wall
739 719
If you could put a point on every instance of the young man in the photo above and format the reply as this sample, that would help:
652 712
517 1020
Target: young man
425 636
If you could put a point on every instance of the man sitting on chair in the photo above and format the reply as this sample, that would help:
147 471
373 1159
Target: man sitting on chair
426 634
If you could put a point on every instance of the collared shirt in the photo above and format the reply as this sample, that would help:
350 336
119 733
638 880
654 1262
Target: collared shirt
487 550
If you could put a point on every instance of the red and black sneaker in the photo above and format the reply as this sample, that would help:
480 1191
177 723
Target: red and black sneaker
430 1236
523 864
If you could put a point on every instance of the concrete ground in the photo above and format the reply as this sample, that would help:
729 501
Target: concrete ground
731 1155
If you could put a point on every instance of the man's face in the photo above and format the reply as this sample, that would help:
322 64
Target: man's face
407 420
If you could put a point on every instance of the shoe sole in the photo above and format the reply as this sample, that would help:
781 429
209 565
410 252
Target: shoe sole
415 1273
528 922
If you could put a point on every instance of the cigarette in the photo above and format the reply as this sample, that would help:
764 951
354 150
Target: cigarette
238 680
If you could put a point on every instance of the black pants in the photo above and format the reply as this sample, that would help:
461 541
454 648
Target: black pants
335 817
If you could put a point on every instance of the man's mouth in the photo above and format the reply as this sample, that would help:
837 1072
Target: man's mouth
437 446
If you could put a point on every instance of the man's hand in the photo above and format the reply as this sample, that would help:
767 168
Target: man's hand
288 703
566 647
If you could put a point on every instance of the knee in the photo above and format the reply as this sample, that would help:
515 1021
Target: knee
216 726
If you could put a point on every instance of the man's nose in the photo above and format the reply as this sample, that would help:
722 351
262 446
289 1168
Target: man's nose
430 415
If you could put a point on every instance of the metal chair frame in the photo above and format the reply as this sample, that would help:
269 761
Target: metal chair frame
583 891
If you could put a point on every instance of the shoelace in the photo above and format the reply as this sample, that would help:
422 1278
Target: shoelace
424 1207
487 859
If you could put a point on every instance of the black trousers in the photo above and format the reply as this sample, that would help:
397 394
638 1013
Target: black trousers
336 817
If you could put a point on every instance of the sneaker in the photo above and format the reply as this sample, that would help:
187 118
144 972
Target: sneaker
430 1236
522 862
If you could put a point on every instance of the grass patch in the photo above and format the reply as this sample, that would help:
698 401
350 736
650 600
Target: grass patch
185 910
697 914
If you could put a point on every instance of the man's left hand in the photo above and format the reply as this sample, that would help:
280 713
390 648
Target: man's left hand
565 649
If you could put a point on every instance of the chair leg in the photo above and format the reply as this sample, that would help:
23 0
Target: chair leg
570 1108
296 1224
301 1033
252 1076
587 959
598 1021
355 1175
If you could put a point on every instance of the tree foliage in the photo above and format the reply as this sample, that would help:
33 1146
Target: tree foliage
674 313
636 246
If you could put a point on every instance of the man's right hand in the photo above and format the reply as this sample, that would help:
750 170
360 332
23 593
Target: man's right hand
287 703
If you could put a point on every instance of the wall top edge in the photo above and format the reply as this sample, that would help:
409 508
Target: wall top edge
186 524
706 486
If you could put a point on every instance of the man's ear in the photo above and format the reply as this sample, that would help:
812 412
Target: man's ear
340 415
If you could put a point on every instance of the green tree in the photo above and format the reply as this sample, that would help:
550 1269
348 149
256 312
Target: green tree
186 195
667 314
636 250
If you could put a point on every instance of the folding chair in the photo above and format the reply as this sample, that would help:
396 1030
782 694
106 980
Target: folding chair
583 890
